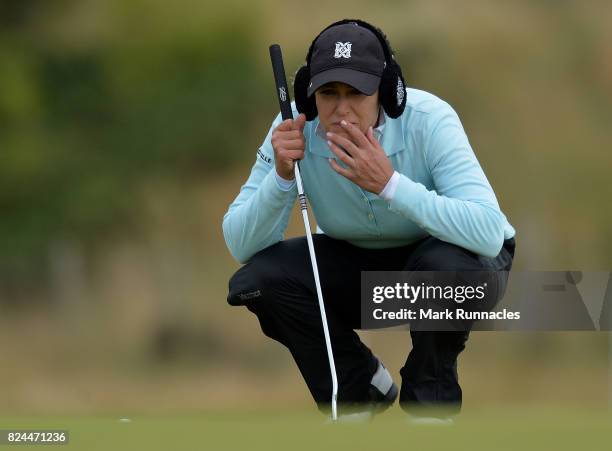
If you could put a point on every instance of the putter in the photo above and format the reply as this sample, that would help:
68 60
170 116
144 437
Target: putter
285 106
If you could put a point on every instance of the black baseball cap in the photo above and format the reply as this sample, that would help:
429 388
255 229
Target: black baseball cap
347 53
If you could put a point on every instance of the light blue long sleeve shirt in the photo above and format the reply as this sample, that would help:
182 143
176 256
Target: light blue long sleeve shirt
442 190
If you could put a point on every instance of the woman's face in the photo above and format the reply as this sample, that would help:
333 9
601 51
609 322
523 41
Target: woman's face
338 101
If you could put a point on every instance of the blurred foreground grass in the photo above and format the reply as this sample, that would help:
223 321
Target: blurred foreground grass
300 430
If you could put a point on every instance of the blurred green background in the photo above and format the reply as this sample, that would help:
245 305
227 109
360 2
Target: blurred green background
128 126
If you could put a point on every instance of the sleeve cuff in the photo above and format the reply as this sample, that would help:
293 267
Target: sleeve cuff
389 190
283 184
410 198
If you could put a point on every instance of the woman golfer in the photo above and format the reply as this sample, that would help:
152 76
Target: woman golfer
394 185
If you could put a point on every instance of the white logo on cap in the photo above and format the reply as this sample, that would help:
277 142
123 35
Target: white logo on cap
343 50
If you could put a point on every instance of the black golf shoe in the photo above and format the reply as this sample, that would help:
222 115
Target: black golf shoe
382 393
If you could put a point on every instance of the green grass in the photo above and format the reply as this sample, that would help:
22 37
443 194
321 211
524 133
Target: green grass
300 430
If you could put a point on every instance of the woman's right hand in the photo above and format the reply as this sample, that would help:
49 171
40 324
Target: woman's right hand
288 144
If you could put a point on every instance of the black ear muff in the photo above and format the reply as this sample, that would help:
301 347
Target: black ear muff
392 91
303 103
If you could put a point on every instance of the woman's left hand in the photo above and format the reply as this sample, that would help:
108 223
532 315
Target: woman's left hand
367 163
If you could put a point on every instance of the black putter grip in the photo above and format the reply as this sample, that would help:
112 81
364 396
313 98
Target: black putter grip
276 56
